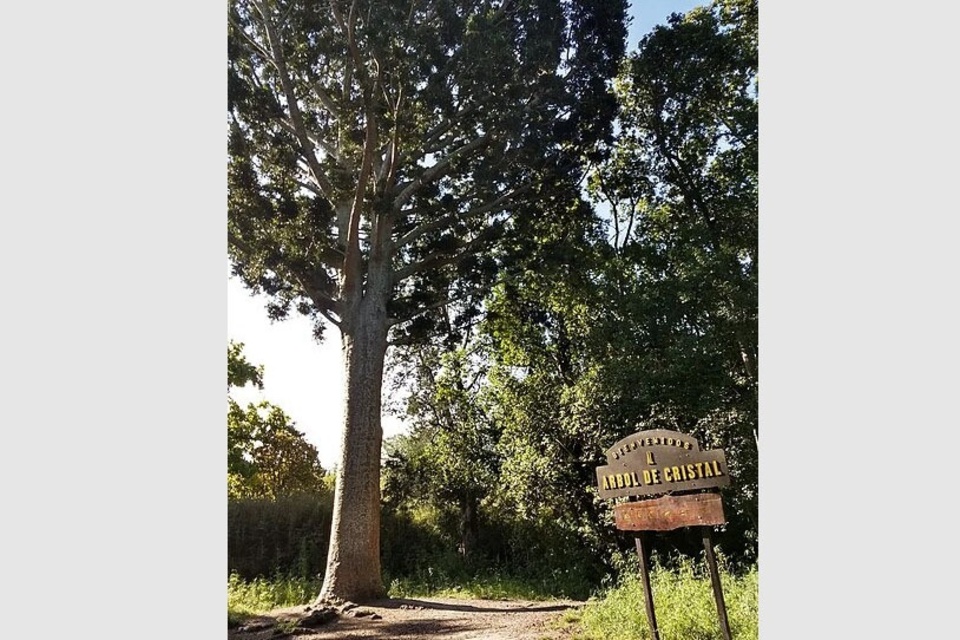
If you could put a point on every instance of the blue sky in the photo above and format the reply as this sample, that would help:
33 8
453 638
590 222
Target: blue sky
306 378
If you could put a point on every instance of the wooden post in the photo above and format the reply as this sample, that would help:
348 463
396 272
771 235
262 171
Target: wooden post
643 550
715 579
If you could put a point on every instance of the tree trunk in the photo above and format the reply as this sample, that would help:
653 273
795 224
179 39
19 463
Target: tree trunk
353 559
469 526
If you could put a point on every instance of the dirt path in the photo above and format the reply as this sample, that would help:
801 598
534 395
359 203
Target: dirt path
420 619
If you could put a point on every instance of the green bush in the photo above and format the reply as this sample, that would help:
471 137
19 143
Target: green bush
513 555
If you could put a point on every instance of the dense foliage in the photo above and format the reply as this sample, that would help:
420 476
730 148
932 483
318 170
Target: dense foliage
645 318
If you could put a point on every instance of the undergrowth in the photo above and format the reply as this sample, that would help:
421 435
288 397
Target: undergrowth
682 595
251 597
683 603
483 587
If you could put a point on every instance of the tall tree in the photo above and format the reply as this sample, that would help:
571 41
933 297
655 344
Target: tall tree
267 457
682 186
378 152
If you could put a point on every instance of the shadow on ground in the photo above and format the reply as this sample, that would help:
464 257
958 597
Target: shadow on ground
399 603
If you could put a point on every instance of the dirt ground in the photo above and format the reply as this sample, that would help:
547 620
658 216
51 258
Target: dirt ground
417 619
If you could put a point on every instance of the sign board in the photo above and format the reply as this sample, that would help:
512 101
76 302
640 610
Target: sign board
660 461
670 512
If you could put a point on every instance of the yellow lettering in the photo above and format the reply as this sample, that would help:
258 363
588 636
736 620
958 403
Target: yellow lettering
604 483
655 475
666 474
670 441
691 472
716 468
699 469
656 440
707 473
677 473
650 459
636 480
619 477
647 478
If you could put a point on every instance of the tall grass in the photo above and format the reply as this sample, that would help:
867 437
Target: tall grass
484 586
683 602
250 597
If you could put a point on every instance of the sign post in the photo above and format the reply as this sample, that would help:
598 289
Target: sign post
670 465
643 550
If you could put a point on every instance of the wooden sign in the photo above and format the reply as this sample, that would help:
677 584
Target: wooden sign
670 512
660 461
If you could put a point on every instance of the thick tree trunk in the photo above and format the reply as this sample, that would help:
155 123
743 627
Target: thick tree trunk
353 559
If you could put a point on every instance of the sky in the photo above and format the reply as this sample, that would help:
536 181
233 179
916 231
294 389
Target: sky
305 378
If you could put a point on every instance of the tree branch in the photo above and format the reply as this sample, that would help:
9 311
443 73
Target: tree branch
393 322
443 258
306 148
321 299
352 262
327 101
417 232
433 136
437 170
249 39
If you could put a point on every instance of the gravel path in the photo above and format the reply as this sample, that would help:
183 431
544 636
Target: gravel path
416 619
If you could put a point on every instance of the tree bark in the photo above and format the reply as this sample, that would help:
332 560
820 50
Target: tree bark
353 559
469 526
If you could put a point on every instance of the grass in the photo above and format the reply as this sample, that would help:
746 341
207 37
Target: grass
684 606
484 587
682 596
246 598
251 597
